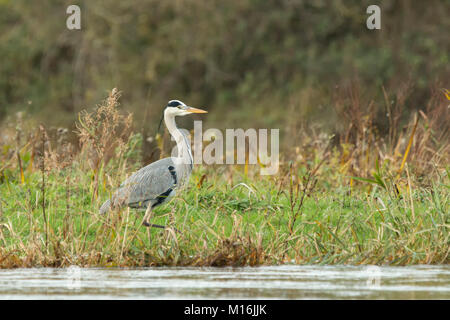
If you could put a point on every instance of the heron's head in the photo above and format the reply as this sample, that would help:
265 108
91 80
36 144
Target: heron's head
179 108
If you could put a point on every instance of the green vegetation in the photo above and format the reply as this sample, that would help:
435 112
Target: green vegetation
363 201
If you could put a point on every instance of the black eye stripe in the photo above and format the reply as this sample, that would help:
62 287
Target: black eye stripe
174 104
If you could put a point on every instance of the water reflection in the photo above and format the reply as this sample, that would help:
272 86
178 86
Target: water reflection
277 282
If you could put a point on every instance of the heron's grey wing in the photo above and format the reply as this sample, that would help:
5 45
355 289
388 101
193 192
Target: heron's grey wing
146 184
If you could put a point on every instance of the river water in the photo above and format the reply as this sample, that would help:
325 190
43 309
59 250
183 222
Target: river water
275 282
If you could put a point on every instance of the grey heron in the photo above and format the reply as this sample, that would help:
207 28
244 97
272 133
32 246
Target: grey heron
159 181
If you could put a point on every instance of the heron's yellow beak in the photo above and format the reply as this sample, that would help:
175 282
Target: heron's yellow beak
195 110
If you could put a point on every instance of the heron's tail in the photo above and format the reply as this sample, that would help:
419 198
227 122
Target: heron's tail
105 207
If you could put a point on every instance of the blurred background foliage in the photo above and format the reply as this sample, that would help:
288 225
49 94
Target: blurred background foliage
259 63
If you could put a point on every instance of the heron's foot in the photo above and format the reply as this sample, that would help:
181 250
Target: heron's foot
147 224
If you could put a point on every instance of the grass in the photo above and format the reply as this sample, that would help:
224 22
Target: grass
316 210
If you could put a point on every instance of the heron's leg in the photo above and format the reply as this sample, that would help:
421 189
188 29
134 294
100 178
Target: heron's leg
159 226
147 216
155 226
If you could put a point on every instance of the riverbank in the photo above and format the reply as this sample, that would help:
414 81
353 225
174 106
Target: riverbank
357 202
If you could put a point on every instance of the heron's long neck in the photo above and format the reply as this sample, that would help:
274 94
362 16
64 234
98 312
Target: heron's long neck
184 148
